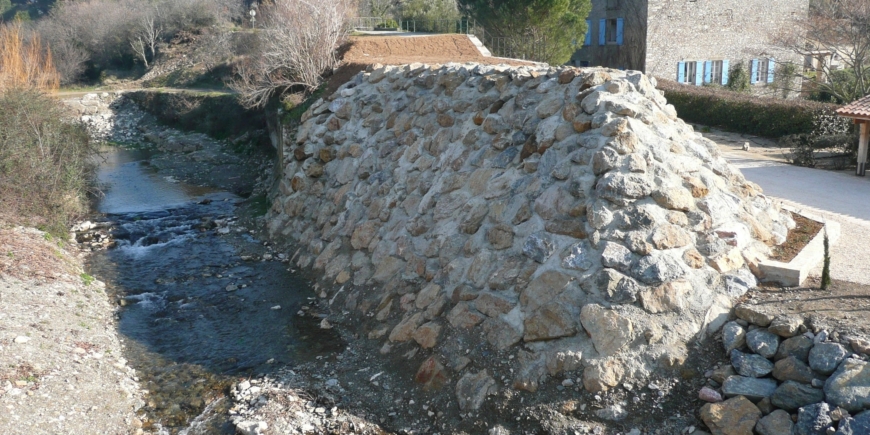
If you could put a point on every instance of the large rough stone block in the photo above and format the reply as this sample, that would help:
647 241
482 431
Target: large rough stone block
735 416
610 332
849 386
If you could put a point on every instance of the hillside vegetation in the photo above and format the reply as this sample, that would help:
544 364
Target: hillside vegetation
45 165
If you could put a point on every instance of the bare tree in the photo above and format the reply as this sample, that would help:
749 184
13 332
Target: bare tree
834 44
297 46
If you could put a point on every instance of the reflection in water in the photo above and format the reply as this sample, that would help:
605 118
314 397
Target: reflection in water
133 186
194 314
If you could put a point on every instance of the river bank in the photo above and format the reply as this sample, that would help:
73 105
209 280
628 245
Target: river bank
62 364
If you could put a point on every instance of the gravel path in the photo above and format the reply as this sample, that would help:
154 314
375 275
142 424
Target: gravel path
61 364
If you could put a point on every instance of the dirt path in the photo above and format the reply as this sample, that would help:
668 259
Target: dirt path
430 49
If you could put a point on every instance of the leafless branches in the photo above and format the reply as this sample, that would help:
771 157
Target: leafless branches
297 45
834 42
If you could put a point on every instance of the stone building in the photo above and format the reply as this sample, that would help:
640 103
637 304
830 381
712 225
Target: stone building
691 41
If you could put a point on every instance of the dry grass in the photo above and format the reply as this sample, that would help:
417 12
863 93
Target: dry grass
24 62
28 254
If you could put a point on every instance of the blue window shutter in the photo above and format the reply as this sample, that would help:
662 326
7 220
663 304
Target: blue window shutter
753 71
771 67
588 40
699 73
602 28
620 28
681 72
708 71
725 72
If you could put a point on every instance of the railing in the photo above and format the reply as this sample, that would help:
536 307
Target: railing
464 26
516 47
367 23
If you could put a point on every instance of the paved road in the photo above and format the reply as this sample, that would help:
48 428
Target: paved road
836 195
839 192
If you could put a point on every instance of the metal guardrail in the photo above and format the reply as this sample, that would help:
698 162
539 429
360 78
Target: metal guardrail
525 48
463 26
367 23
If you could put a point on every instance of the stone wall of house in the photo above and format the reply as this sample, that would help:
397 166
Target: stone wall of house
500 226
693 30
736 30
631 55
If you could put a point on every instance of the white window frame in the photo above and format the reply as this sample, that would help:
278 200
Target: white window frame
761 71
716 73
689 71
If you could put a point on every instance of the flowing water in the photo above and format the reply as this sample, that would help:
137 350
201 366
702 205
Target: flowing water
195 316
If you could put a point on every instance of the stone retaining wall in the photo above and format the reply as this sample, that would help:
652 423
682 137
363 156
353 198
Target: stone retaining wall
515 224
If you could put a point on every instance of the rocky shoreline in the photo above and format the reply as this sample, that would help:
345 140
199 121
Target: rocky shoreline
62 365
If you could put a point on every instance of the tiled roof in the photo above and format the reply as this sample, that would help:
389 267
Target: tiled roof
856 109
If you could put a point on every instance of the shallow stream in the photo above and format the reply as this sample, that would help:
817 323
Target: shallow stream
194 315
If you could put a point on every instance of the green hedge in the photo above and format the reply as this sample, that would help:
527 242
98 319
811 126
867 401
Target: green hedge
743 113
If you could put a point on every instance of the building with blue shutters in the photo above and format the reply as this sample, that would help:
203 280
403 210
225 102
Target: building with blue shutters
695 42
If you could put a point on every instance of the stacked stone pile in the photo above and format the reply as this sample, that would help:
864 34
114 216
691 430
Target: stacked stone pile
108 116
785 379
518 224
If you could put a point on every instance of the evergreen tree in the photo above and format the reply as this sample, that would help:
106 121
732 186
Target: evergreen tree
548 30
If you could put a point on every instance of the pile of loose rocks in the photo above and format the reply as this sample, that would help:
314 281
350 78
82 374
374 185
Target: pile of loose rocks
510 225
786 379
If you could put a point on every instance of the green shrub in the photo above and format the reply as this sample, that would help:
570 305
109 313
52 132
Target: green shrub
46 165
738 78
388 24
744 113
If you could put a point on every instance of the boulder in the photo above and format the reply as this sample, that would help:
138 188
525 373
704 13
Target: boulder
860 424
753 314
792 395
473 388
733 336
762 342
813 420
792 369
777 422
736 416
798 347
610 332
753 388
750 365
849 386
826 357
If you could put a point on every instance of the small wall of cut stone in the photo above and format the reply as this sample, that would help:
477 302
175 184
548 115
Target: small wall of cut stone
561 219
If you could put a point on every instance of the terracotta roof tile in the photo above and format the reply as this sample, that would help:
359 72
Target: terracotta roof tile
856 109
